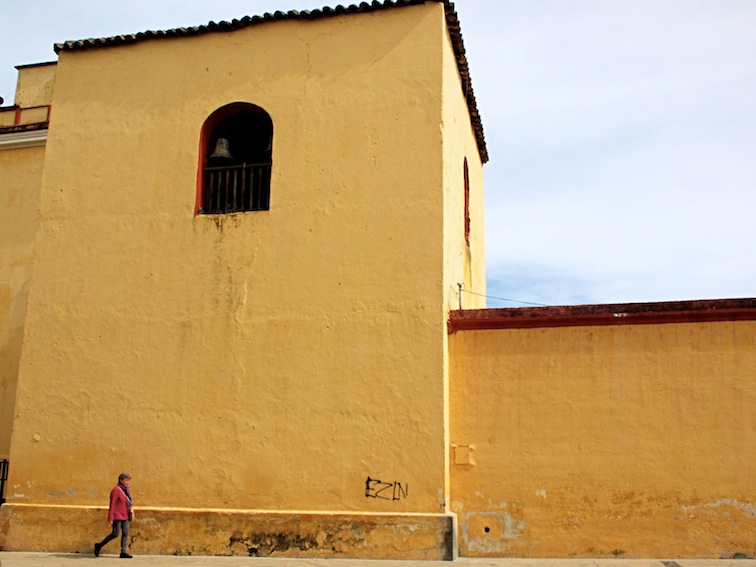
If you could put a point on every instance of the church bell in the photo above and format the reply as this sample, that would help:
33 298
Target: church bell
222 150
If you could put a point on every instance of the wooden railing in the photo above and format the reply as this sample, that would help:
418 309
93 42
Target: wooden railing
236 188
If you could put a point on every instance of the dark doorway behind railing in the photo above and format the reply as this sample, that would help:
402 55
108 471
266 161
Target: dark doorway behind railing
236 188
3 478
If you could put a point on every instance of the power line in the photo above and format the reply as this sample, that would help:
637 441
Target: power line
506 299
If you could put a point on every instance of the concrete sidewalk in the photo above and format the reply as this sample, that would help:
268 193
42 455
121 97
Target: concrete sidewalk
28 559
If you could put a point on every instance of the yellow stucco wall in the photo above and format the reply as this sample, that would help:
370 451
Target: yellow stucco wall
268 361
21 163
628 441
463 263
19 197
7 116
35 84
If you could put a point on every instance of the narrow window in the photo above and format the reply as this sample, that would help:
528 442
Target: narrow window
236 156
467 205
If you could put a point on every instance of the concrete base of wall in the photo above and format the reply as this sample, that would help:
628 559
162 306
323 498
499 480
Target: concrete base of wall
75 529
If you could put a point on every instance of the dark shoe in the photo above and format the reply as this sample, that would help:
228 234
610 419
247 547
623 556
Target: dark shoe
124 555
98 547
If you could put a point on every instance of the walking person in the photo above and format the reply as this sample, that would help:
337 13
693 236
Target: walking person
119 515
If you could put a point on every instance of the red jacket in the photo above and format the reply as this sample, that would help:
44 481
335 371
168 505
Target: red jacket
119 507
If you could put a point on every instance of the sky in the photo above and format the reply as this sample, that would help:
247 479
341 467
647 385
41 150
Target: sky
621 134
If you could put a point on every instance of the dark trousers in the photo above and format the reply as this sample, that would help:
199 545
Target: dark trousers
121 526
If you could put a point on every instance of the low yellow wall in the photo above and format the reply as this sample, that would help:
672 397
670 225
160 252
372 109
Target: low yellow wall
231 532
627 441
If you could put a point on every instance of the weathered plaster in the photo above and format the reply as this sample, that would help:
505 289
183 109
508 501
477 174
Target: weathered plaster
233 532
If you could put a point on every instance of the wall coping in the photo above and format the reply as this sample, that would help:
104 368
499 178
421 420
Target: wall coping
23 136
697 311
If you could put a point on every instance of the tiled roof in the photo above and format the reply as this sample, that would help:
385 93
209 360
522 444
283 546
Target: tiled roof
452 22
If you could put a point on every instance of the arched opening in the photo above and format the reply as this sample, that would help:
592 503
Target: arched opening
467 203
236 147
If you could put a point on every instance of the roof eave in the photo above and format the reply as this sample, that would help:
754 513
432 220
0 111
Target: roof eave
452 22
